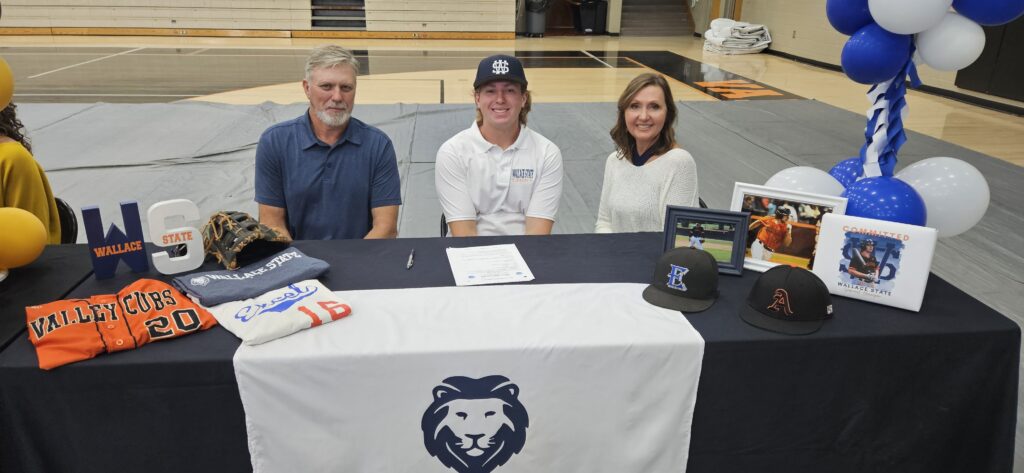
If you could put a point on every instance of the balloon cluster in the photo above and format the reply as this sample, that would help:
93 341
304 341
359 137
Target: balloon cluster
881 33
887 38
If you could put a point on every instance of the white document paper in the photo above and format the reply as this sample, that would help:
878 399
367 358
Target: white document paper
492 264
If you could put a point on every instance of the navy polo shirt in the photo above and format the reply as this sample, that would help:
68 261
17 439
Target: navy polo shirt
326 191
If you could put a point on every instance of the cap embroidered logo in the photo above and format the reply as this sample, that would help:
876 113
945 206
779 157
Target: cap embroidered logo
500 66
780 302
787 299
685 279
675 277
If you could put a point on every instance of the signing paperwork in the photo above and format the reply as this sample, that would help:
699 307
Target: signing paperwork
492 264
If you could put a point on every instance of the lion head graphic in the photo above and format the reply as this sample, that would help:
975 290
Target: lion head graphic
475 425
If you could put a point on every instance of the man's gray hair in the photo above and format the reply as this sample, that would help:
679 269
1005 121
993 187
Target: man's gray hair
328 56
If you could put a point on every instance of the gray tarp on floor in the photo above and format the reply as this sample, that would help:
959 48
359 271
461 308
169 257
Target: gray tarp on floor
102 154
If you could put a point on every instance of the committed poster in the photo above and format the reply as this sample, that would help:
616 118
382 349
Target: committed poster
874 260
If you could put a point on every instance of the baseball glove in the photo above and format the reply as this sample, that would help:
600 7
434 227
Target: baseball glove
236 239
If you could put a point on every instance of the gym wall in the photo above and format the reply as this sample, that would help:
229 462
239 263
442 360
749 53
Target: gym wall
800 28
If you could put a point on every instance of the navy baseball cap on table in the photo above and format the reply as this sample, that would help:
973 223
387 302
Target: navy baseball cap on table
499 67
685 279
787 299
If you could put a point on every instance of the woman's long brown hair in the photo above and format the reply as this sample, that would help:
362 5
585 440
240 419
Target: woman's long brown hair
624 142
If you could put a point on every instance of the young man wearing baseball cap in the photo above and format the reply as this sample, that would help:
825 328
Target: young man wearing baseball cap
499 177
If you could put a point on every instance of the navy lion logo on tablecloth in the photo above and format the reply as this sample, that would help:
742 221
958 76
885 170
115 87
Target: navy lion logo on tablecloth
475 425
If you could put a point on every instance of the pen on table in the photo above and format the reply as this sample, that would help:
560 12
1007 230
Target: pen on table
412 256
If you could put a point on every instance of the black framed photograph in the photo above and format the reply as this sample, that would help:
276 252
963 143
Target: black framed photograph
719 232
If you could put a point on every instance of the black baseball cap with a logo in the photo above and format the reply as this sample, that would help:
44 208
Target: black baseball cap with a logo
685 279
499 67
788 300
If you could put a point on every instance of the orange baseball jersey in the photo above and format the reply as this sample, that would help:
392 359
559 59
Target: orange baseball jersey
773 233
147 310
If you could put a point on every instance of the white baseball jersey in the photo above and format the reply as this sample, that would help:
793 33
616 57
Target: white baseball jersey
281 312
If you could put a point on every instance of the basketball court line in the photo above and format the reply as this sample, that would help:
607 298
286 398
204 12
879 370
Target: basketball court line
85 62
597 59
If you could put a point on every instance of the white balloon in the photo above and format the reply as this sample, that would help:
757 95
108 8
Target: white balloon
908 16
806 179
951 45
954 192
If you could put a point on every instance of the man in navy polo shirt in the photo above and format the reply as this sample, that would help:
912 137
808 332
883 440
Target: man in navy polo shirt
327 175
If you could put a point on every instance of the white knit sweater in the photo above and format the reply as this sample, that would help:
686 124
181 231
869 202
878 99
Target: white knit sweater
633 199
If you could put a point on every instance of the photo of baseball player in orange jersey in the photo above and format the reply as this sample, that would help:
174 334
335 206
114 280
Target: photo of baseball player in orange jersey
775 233
779 233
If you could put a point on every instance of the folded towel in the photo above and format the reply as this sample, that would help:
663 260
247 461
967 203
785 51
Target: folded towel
725 36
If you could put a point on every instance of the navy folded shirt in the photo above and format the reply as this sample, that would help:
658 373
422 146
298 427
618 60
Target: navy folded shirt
270 273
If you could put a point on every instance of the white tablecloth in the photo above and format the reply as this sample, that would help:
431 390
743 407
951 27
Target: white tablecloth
607 381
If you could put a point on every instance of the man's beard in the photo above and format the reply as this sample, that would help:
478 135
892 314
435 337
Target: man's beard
334 120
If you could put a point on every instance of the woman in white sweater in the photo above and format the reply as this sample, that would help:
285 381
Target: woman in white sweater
647 171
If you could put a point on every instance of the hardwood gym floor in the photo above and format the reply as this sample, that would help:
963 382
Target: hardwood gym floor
562 69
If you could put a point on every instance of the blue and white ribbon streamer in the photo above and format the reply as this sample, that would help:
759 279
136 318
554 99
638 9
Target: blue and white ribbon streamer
884 133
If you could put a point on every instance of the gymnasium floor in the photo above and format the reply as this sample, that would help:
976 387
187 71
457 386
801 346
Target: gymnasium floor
562 70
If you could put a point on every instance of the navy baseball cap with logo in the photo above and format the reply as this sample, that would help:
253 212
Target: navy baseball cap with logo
499 67
788 300
685 279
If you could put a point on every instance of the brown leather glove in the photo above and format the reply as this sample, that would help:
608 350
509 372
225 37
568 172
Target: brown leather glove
236 239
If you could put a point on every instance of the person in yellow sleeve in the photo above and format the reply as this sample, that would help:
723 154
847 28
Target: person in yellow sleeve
23 183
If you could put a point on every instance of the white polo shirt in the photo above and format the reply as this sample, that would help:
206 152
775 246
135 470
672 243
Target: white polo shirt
477 180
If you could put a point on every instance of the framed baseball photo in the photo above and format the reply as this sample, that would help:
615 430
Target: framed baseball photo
784 224
875 260
719 232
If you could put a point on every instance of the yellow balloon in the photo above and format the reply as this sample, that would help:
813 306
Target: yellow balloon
22 237
6 84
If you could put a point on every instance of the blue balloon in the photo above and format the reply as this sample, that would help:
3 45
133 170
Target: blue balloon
885 198
990 12
848 16
874 55
847 171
